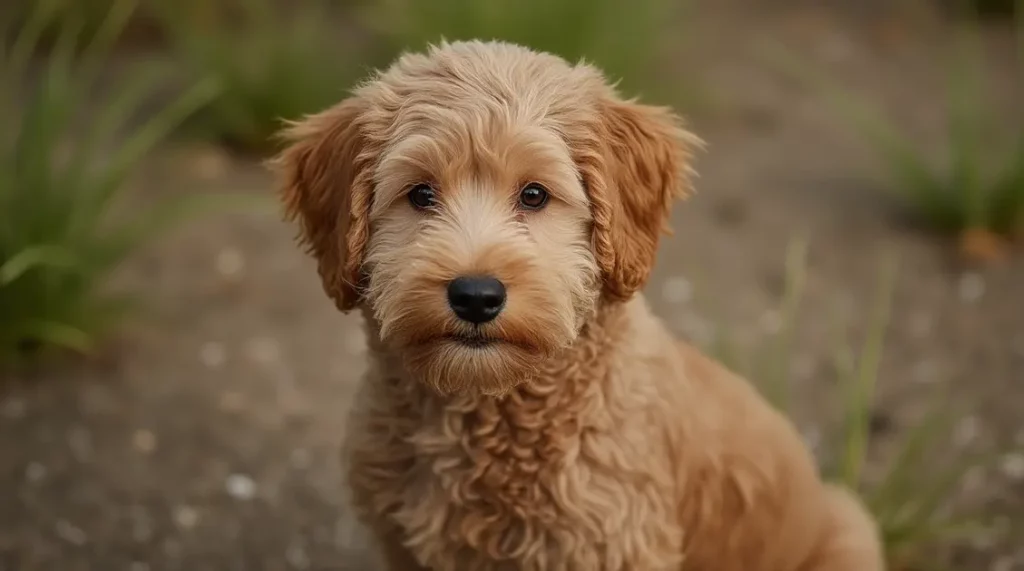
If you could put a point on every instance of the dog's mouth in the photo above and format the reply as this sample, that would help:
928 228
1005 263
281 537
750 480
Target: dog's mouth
472 341
477 340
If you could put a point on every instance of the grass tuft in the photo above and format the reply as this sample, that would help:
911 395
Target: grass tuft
62 173
910 499
272 62
977 192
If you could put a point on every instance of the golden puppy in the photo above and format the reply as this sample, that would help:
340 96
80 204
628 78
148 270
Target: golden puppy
494 212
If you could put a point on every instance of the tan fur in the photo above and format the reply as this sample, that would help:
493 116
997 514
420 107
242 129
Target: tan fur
585 437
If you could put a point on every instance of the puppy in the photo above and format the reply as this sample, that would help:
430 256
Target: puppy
493 212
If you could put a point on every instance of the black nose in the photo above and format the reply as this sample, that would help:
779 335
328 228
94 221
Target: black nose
476 299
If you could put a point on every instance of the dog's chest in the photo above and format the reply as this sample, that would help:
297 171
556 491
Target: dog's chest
543 479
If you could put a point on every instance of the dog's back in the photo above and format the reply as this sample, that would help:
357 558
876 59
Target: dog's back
761 502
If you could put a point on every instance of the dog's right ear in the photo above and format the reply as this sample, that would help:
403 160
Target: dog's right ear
326 187
634 163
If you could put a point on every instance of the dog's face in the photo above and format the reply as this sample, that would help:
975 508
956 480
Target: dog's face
480 201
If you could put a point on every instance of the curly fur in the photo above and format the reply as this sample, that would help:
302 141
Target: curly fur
582 436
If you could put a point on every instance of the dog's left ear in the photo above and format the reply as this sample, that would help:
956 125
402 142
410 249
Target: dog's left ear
326 187
638 163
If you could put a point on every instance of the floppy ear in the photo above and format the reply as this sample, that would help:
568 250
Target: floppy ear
326 187
641 163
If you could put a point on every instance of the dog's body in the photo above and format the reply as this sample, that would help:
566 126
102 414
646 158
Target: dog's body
494 212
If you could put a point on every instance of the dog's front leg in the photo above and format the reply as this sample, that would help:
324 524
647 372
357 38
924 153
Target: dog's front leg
850 541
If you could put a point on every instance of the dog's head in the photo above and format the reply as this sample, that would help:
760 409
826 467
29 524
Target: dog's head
480 200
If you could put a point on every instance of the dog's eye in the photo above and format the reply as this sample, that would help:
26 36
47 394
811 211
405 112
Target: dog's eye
533 196
422 196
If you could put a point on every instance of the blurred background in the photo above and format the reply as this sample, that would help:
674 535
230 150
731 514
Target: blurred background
174 384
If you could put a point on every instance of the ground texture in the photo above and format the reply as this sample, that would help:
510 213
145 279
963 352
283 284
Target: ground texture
205 437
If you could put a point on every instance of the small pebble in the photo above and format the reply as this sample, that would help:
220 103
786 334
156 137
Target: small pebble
231 401
13 408
70 533
230 262
1003 563
1012 466
35 472
1001 524
210 164
771 322
142 527
138 566
172 548
300 459
925 372
971 287
240 487
144 441
804 367
677 290
966 431
80 442
296 556
98 399
264 350
880 422
921 325
186 517
697 329
973 481
213 354
983 541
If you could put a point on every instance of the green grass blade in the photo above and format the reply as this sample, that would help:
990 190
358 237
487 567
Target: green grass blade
1018 21
1008 201
781 352
910 535
142 141
113 117
56 334
47 255
966 123
61 61
45 121
910 171
845 364
862 393
908 545
922 510
901 475
27 42
98 49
